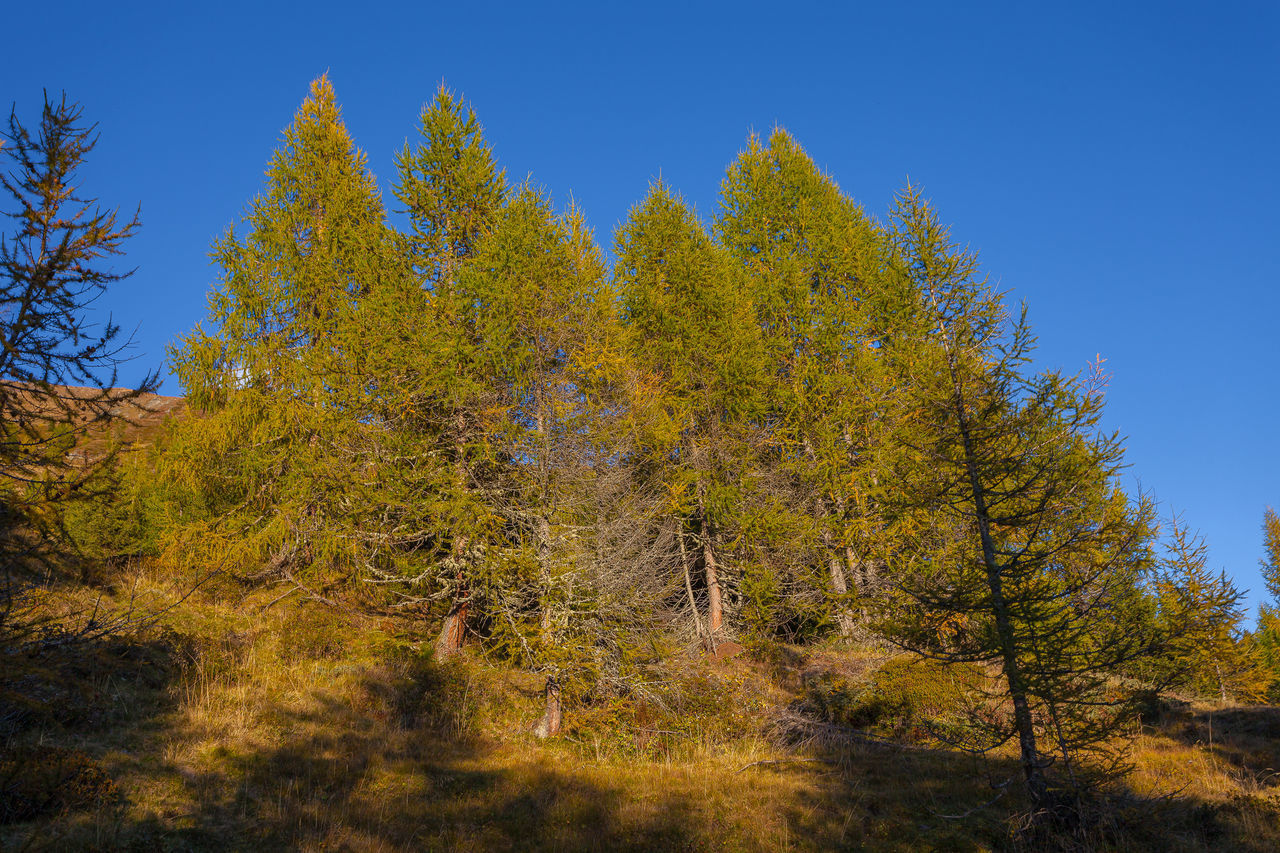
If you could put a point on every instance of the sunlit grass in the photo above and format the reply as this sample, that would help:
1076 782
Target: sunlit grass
287 725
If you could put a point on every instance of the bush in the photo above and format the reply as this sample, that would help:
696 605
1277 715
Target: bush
907 699
684 713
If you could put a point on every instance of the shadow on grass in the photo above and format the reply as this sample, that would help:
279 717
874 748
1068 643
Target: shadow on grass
342 780
381 760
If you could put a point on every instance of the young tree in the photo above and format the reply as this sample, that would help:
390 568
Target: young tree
1199 614
1271 545
58 369
1029 559
1267 636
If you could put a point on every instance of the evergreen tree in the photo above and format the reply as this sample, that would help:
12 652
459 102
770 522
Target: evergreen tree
1267 636
58 370
814 263
1029 558
1199 613
692 337
286 450
543 314
1271 545
450 187
453 193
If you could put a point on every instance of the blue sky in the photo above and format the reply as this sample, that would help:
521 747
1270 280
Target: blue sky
1115 164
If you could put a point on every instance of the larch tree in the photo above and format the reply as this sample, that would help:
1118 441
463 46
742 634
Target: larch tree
1270 563
450 186
1029 558
58 368
452 191
1200 616
693 340
543 315
1267 635
282 373
813 260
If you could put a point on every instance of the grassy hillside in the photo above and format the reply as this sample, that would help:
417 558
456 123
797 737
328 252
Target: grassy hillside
251 721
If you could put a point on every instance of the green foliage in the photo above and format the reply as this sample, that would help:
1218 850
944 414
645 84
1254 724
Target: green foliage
1271 545
798 421
918 701
119 521
696 350
829 315
450 187
1266 640
1200 616
312 454
690 324
54 263
1035 559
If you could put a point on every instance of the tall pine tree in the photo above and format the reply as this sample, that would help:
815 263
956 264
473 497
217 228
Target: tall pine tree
693 338
282 456
814 262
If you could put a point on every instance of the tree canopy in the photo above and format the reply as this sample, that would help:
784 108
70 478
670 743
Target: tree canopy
791 423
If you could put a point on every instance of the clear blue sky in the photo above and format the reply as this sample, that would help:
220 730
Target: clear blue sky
1114 163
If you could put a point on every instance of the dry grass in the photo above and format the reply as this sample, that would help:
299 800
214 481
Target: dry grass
243 726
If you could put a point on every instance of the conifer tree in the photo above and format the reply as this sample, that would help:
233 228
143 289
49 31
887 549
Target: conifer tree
450 186
53 266
521 293
692 336
283 373
58 369
1200 614
813 260
453 192
1030 559
1271 546
1267 636
543 315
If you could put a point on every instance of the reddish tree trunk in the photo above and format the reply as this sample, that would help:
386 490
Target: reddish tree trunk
715 607
549 725
449 643
715 604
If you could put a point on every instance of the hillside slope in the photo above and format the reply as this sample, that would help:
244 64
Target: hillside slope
261 722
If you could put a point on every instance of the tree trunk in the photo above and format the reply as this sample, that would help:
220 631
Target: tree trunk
839 581
449 643
715 606
1032 764
688 581
549 725
844 621
544 569
715 602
